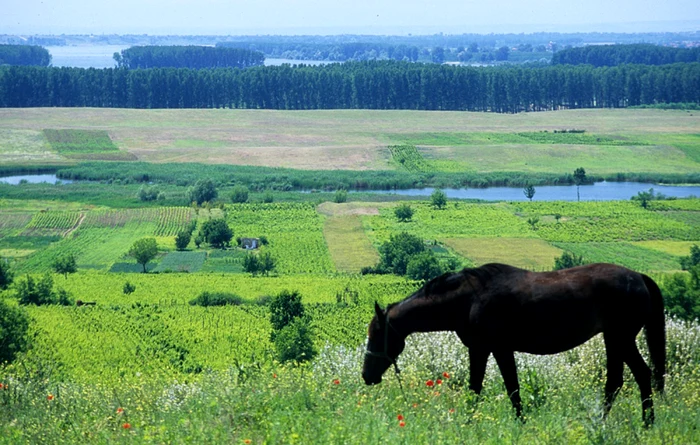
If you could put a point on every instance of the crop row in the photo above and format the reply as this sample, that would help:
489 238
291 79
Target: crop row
51 223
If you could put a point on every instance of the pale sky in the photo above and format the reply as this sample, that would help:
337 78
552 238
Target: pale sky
343 16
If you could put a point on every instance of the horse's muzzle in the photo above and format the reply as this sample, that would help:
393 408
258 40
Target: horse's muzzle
372 380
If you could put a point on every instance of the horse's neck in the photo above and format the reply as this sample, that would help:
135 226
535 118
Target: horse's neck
420 315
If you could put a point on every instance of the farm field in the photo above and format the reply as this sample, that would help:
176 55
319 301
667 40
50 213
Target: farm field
148 357
615 140
176 372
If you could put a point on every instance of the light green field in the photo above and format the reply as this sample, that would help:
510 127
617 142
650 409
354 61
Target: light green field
348 244
358 139
528 253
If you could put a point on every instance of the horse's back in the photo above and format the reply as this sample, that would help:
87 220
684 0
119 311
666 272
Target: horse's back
550 312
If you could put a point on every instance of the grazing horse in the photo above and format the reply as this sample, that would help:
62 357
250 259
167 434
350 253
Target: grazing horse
499 309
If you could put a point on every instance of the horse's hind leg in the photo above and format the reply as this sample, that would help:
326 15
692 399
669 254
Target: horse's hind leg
642 374
506 363
477 368
615 368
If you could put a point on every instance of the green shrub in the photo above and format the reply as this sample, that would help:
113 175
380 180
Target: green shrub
396 253
285 307
65 264
128 288
6 275
438 199
294 342
14 327
147 193
182 240
403 212
424 266
207 298
568 260
239 194
41 292
202 191
216 232
340 196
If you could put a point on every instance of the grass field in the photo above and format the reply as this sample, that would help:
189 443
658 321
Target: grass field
528 253
348 244
663 141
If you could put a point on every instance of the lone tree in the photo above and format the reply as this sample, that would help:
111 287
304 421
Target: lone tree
438 199
216 232
202 191
144 250
403 213
183 239
65 264
579 178
529 191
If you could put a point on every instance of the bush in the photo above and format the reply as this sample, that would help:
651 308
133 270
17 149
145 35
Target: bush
182 240
255 264
692 260
682 295
403 213
568 260
216 299
128 288
65 264
285 307
239 194
268 197
294 342
14 328
41 292
216 232
340 196
396 253
424 266
148 193
6 275
202 191
438 199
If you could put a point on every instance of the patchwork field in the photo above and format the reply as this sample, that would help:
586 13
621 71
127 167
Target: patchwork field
614 140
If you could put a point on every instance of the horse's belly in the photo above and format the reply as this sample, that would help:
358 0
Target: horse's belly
555 337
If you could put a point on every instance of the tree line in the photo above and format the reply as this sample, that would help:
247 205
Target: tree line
24 55
196 57
359 85
613 55
338 52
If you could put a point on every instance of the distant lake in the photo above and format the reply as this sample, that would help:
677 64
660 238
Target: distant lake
32 179
85 56
100 56
600 191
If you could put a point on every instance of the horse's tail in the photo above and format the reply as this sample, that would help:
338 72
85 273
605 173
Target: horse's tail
656 333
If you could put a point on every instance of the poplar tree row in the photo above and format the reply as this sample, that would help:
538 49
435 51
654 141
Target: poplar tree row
365 85
613 55
188 57
24 55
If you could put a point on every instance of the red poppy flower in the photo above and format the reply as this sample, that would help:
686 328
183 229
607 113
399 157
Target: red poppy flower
438 381
126 426
120 410
452 410
2 386
274 376
246 441
399 417
336 382
446 375
402 424
430 383
49 397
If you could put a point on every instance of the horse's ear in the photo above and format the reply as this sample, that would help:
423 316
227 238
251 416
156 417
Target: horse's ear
380 313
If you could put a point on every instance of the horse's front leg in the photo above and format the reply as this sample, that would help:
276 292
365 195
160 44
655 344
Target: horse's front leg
506 363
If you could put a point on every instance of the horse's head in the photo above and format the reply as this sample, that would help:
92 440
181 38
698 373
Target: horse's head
384 344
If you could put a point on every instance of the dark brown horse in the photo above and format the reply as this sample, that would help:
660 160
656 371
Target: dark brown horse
498 309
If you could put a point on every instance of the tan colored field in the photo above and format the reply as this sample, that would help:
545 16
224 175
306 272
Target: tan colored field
528 253
346 139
